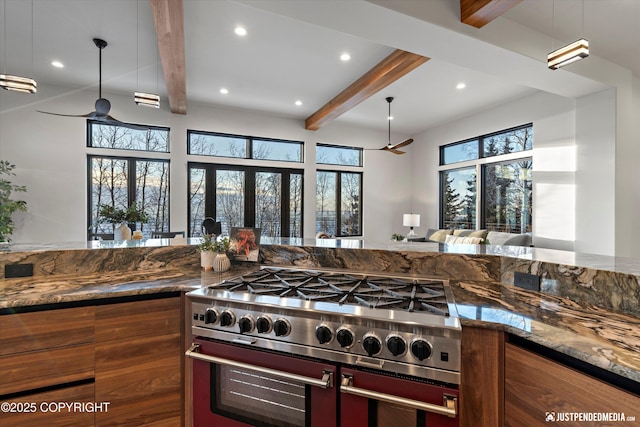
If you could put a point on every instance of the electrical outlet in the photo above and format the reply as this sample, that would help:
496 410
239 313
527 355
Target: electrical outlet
530 282
18 270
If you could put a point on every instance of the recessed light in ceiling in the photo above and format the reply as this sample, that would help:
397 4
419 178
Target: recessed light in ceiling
57 64
345 57
241 31
461 86
298 103
224 91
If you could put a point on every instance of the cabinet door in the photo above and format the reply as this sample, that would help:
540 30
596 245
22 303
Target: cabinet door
537 388
139 362
482 379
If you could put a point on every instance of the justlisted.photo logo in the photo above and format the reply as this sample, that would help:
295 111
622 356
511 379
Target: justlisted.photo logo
550 416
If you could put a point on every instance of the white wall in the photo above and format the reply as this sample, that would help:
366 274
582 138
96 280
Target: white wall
50 154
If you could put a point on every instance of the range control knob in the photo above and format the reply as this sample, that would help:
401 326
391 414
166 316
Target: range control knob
281 327
324 334
246 324
227 318
344 337
211 316
372 344
421 349
264 324
396 345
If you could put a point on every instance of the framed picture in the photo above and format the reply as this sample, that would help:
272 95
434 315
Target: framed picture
245 243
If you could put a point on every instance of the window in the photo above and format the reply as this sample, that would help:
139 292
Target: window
337 155
101 135
339 203
119 181
245 196
244 147
505 186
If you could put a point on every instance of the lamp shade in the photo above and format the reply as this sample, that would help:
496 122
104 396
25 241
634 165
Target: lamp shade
411 220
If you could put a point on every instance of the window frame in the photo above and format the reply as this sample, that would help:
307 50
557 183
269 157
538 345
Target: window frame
249 140
480 165
89 129
338 200
249 193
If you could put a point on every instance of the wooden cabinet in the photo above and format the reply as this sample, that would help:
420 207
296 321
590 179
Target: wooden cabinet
482 379
138 356
537 388
46 350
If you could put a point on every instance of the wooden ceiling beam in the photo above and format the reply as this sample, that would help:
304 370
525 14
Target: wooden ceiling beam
390 69
478 13
168 17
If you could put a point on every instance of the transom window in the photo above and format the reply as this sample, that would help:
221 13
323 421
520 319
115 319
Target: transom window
337 155
244 147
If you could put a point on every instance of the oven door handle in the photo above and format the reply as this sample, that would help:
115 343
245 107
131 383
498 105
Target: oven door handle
449 408
326 381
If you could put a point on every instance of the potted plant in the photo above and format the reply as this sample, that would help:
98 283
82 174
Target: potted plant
120 218
213 253
8 205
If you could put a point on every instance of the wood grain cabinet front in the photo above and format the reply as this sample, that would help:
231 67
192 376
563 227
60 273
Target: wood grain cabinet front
45 349
541 392
138 355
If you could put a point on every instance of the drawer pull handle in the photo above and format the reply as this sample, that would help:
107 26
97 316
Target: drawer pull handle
325 382
449 407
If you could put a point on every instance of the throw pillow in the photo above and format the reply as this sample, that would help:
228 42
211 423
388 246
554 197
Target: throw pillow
471 233
437 235
463 240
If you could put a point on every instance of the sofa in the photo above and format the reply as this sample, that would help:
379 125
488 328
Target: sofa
486 237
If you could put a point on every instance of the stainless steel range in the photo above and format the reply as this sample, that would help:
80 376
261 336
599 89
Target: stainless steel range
397 328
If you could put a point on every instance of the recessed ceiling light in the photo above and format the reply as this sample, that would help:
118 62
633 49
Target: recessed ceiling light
298 103
57 64
461 86
241 31
224 91
345 57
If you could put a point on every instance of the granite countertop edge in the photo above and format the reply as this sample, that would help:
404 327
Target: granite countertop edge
596 351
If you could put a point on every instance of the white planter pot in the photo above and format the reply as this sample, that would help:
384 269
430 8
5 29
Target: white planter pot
206 260
122 232
221 262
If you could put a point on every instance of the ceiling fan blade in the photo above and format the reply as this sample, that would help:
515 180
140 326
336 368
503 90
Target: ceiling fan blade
110 120
89 115
403 143
391 149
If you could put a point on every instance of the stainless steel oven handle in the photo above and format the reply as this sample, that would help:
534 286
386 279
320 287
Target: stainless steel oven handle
449 408
325 382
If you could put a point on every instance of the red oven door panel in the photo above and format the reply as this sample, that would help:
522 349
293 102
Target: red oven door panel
319 404
359 411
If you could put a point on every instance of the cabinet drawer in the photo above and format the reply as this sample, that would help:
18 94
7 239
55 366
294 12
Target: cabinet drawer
50 415
28 371
46 329
131 320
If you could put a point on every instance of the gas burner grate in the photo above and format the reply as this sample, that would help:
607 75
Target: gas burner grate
391 293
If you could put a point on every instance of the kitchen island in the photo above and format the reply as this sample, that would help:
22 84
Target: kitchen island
587 309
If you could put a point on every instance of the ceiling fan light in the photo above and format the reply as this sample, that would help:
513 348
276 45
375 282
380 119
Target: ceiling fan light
18 83
147 99
568 54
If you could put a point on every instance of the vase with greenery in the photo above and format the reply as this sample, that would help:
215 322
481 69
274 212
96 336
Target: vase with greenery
213 253
120 218
8 206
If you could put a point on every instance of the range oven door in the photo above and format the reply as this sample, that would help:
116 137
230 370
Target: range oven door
234 386
368 399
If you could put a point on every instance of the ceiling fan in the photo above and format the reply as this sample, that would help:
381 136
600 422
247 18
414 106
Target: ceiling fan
393 148
102 106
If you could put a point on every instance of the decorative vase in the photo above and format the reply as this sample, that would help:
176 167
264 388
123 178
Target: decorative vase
221 262
207 259
122 232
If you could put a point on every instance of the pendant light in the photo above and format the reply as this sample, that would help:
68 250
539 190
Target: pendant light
570 53
10 81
